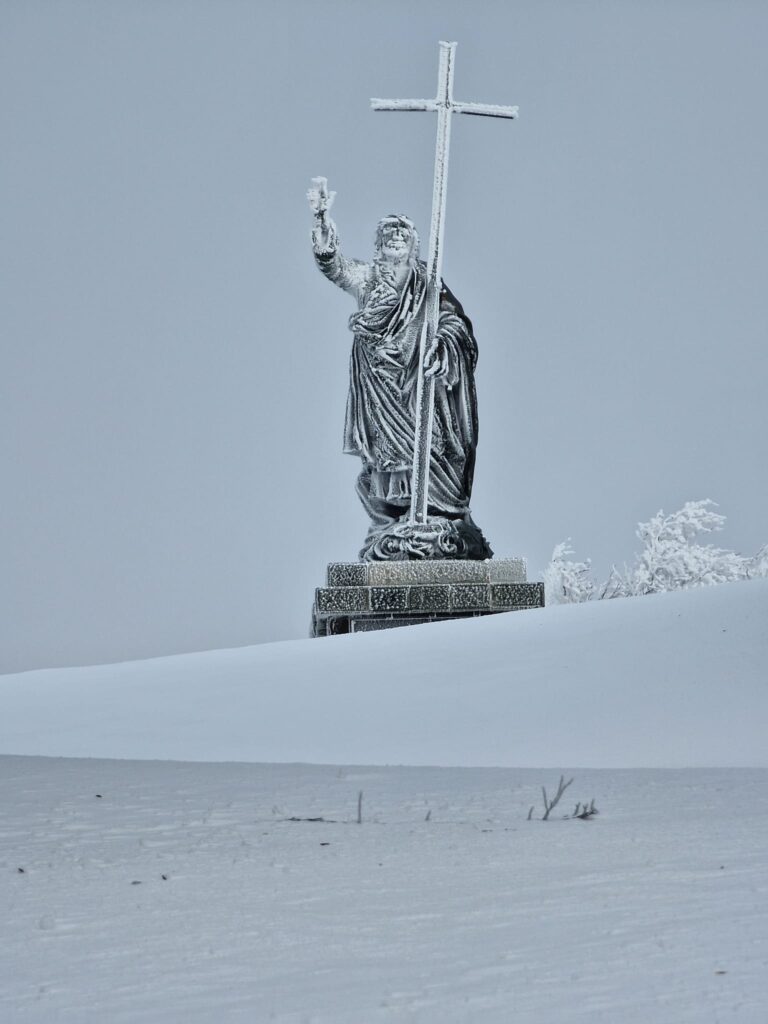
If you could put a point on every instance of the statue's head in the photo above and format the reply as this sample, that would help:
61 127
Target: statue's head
396 240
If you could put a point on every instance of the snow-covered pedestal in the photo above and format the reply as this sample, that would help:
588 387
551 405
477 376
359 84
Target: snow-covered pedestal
361 596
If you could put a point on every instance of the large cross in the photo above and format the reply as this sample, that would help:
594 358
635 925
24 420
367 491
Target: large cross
445 106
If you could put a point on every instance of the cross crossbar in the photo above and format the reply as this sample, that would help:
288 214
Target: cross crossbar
404 104
485 110
480 109
445 106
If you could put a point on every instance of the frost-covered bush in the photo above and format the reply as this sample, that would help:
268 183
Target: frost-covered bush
671 559
567 582
758 566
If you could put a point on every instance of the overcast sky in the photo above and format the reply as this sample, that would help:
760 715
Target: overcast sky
174 368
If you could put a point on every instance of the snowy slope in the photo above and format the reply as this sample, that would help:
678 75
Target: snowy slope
670 680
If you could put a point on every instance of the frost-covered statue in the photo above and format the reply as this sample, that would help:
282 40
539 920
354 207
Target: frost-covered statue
379 427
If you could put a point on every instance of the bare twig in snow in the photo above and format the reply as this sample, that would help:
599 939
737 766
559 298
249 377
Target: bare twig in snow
549 805
581 810
587 811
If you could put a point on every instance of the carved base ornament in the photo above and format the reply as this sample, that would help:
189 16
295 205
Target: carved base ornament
437 538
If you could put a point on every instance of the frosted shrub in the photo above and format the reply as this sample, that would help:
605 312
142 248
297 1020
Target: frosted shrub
671 559
567 582
758 566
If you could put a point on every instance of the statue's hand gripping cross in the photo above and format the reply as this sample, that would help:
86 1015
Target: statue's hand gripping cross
444 105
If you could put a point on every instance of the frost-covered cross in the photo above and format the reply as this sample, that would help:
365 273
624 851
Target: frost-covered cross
445 106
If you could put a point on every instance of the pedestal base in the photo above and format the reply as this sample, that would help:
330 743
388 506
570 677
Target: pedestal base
362 596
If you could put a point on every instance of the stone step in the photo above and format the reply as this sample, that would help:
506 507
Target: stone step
448 597
445 571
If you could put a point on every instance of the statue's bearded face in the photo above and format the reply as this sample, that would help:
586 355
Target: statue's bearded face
396 241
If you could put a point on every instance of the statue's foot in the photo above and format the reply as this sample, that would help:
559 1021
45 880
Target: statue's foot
437 538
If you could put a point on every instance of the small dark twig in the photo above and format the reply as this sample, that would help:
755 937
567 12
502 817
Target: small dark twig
588 811
360 808
581 810
549 805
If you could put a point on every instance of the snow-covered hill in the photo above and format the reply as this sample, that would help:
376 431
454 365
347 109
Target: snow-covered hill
670 680
144 890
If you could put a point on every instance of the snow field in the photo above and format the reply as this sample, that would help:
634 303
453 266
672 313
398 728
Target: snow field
656 910
173 887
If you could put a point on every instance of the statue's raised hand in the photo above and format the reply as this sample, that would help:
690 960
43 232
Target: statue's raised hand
320 201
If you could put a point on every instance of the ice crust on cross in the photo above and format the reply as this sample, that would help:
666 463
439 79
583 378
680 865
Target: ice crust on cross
444 105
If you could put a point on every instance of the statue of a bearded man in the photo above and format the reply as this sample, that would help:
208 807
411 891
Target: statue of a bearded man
380 420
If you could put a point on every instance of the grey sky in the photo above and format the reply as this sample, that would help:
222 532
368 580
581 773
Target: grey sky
175 369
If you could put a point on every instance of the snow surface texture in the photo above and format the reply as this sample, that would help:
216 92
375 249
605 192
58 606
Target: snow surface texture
139 892
670 680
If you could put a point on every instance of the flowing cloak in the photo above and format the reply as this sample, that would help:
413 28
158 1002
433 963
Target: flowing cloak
380 417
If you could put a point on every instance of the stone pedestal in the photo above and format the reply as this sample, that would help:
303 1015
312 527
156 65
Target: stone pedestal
361 596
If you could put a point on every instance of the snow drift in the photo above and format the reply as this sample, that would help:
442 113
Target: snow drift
670 680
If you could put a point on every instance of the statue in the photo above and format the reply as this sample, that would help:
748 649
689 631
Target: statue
412 418
381 417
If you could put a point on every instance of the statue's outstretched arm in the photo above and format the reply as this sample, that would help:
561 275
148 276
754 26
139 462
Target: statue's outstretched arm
347 274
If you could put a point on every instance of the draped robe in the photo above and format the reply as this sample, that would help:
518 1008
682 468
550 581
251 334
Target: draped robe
380 416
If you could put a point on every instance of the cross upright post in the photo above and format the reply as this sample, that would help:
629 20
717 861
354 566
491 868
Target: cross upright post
445 106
